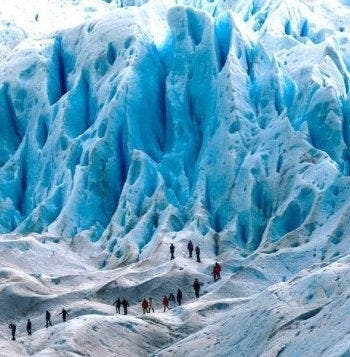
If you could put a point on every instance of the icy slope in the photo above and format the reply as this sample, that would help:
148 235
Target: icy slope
260 307
161 118
41 18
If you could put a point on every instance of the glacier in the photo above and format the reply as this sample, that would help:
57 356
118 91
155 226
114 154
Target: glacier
140 123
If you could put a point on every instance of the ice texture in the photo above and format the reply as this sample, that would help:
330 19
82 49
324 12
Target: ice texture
163 117
225 122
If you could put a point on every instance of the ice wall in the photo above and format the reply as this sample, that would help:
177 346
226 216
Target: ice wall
231 122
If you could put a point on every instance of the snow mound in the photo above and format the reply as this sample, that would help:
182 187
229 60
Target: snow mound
262 306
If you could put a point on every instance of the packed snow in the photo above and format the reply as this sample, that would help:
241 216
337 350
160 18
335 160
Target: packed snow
130 125
268 304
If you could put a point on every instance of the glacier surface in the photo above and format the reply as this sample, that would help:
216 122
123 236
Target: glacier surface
151 122
162 117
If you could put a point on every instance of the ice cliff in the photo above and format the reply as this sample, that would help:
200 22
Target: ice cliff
230 119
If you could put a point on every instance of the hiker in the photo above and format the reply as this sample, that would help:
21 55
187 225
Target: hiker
29 327
13 327
190 248
165 303
150 305
144 306
171 300
117 304
198 254
179 296
48 319
172 251
125 306
216 271
64 314
196 287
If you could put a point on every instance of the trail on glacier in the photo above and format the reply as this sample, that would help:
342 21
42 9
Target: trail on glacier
249 311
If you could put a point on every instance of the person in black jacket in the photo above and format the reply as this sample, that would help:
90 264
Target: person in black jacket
13 327
48 319
29 327
125 306
179 296
117 304
196 287
172 251
198 254
190 248
64 314
172 300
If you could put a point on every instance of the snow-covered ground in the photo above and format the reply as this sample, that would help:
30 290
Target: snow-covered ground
261 306
126 128
40 18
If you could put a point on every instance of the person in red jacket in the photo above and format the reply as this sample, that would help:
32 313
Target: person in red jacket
165 303
144 306
216 271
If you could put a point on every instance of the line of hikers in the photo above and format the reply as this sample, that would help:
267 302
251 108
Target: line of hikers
216 269
168 302
147 306
48 323
118 303
190 249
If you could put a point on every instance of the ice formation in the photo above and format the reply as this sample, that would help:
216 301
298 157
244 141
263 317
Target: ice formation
161 117
225 121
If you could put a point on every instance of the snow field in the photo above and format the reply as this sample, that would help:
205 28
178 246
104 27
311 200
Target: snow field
250 311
